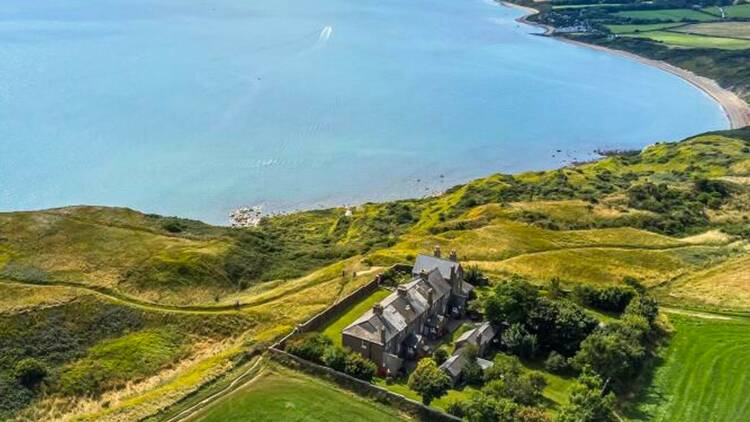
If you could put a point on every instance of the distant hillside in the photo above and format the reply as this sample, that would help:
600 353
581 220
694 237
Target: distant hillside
142 309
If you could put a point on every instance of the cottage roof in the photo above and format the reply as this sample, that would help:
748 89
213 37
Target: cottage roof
428 263
472 336
400 310
454 365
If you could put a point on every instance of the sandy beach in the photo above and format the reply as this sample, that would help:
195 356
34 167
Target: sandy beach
736 109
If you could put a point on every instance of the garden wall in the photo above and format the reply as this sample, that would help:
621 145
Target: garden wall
333 311
362 388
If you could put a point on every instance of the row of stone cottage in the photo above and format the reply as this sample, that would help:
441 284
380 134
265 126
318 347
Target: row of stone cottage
395 329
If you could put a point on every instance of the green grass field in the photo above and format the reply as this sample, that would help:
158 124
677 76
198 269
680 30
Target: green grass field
718 29
738 11
283 395
674 15
694 41
629 29
704 375
333 329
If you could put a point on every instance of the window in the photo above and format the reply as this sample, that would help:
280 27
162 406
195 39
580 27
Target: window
364 345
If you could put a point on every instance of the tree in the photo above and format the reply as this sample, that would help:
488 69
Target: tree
588 402
645 306
519 341
510 302
429 381
611 353
30 372
472 372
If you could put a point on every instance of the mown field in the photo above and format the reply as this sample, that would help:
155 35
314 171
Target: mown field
674 15
694 41
279 394
703 376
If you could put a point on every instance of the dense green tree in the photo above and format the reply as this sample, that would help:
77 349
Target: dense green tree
429 381
518 341
510 301
588 402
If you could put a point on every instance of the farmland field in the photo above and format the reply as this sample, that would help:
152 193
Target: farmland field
626 29
704 374
738 11
280 394
695 41
718 29
674 15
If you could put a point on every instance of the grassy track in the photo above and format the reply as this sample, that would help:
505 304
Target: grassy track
704 375
283 395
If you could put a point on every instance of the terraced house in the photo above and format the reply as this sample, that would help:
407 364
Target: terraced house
394 329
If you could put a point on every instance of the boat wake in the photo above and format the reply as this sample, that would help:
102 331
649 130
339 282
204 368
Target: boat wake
324 36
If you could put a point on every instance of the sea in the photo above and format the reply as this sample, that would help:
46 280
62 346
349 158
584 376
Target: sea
197 107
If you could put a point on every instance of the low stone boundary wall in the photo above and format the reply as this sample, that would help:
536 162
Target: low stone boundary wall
324 317
362 388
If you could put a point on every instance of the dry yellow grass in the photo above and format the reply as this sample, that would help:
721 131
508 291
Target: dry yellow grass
592 265
726 285
19 298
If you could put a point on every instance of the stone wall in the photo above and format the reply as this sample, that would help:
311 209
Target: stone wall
362 388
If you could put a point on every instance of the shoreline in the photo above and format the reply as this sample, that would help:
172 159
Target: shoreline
735 108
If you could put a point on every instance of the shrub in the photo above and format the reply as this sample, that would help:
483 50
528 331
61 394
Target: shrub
310 346
440 355
429 381
608 299
30 372
556 363
335 358
359 367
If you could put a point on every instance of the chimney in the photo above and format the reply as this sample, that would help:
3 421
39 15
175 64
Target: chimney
377 309
430 298
454 256
436 251
479 339
401 291
382 335
423 275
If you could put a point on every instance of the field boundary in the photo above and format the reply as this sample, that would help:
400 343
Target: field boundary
360 387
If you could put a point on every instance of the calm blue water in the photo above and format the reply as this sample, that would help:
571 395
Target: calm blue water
196 107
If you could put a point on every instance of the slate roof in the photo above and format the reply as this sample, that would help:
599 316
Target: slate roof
429 262
471 336
398 311
456 364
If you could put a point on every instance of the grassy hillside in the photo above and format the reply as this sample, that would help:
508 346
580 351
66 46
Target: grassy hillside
128 312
